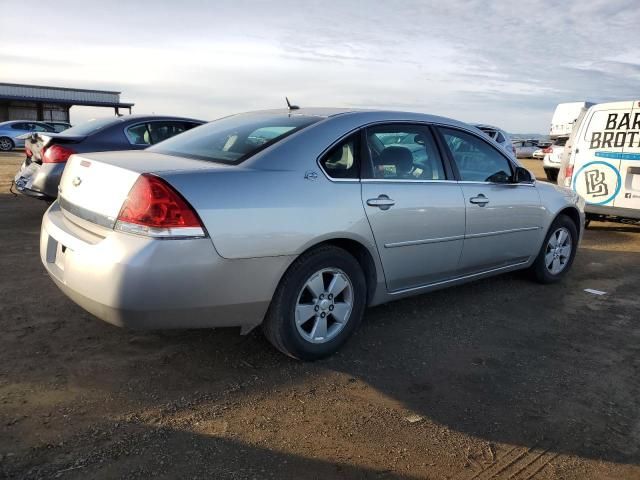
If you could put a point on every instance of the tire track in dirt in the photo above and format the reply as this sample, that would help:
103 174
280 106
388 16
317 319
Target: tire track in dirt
519 463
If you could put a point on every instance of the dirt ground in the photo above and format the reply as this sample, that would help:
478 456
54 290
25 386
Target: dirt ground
502 378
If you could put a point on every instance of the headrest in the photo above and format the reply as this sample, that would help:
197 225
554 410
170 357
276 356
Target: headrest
401 157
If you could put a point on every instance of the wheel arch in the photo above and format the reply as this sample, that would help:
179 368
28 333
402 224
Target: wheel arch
573 214
360 252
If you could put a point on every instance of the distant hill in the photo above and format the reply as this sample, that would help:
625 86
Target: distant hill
525 136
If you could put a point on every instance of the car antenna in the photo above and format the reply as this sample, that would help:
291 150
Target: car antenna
291 107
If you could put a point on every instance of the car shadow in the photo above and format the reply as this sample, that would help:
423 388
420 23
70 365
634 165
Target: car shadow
503 360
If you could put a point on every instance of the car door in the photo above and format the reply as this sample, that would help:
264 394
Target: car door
503 219
414 206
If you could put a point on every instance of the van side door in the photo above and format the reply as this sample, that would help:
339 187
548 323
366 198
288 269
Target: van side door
629 195
599 150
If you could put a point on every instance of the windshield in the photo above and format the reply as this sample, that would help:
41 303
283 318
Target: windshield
90 126
561 142
234 139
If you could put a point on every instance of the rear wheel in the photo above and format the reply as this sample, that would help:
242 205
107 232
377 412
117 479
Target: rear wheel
318 304
552 174
558 251
6 144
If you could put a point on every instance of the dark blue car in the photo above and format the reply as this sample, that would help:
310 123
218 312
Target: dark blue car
47 152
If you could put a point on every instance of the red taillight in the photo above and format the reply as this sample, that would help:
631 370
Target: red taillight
568 172
28 152
57 154
154 204
547 150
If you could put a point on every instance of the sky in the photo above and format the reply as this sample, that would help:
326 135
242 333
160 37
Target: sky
506 63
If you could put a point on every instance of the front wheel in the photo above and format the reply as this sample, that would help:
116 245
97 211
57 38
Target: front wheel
318 304
558 251
6 144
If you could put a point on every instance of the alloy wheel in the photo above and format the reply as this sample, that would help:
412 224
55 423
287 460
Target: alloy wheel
324 305
558 251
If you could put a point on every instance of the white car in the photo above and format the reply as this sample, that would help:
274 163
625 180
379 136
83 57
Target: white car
501 137
553 158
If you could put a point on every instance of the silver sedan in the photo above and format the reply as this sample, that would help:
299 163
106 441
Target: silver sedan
298 220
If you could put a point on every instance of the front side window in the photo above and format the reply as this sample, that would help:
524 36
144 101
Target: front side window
139 134
411 154
234 139
342 160
477 161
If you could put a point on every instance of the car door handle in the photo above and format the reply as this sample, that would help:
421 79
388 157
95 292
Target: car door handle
479 200
383 202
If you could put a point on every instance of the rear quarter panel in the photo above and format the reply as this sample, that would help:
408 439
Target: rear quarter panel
256 213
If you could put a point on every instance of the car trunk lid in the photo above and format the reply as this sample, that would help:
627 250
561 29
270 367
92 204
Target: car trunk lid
94 186
36 143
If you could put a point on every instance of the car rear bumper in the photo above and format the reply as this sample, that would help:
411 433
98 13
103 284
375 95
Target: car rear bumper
39 181
142 283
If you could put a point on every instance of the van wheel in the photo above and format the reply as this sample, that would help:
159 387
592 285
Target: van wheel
552 174
558 251
318 304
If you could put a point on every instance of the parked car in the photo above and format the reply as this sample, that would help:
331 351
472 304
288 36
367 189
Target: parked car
11 131
58 126
47 153
602 161
298 221
553 158
525 148
500 136
540 152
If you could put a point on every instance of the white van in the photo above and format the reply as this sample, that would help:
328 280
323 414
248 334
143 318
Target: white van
602 160
565 116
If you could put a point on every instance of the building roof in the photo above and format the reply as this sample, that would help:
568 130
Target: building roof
61 95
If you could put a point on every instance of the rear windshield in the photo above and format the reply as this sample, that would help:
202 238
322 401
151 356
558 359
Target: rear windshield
561 142
234 139
90 126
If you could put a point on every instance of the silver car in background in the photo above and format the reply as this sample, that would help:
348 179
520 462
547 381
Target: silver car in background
298 220
11 132
498 135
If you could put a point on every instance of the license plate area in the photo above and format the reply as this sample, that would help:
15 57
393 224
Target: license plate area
56 254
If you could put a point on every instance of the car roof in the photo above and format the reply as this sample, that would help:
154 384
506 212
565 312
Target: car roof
363 115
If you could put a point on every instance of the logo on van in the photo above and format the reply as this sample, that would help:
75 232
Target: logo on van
595 183
598 182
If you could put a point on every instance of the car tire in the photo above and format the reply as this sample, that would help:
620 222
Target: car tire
552 174
305 291
6 144
554 260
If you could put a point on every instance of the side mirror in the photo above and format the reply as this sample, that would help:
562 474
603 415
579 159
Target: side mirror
523 175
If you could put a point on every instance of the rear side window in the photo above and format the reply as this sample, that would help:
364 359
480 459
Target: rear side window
342 160
139 134
500 138
160 131
234 139
404 152
477 161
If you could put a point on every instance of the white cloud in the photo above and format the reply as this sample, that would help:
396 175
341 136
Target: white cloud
499 62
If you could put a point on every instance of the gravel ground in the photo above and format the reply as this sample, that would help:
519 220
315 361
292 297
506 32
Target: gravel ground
501 378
